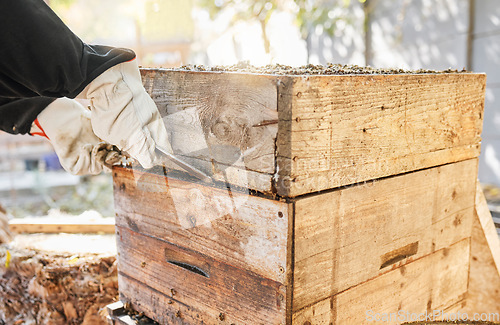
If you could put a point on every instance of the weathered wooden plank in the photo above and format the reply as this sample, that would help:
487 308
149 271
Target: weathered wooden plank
118 315
211 288
115 309
347 236
233 227
348 129
489 230
433 282
484 280
227 121
67 226
153 302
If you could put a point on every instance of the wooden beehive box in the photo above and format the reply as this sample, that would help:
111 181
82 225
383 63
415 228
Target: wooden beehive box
335 195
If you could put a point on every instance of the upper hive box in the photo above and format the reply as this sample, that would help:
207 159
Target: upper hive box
291 132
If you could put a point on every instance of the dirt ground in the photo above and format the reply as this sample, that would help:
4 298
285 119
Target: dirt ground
57 280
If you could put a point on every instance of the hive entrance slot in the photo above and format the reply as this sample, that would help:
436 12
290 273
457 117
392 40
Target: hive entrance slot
190 267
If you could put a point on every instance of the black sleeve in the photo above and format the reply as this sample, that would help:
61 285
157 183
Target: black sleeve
41 56
17 115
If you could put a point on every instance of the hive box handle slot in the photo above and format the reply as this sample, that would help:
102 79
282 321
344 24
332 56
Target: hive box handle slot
398 254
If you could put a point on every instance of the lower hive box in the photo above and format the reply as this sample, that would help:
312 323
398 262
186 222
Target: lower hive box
215 255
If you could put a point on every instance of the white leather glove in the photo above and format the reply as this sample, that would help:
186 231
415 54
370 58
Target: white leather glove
67 125
122 113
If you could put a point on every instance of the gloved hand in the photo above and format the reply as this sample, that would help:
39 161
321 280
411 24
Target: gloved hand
67 125
122 113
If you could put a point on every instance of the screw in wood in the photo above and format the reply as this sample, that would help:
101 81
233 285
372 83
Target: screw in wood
221 316
280 214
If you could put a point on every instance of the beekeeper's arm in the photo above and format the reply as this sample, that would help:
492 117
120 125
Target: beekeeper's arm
40 56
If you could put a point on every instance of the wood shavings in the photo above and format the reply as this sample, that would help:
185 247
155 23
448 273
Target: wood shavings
55 288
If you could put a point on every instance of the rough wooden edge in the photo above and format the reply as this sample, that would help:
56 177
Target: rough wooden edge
484 277
17 226
117 315
486 221
290 263
484 283
283 164
116 308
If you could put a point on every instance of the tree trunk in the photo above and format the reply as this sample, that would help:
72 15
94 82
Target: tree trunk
367 7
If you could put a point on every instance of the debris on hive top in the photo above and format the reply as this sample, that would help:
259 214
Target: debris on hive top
310 69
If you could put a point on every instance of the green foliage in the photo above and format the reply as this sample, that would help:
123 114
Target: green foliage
61 4
244 9
323 14
310 14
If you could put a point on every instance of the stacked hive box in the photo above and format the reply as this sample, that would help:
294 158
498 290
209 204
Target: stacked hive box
336 198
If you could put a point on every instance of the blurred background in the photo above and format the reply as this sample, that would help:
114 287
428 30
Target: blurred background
410 34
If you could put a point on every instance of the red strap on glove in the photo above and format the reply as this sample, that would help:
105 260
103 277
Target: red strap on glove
42 132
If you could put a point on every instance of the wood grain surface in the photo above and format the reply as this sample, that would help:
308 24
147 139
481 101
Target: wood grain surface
205 286
488 227
433 282
222 123
348 236
348 129
484 277
233 227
